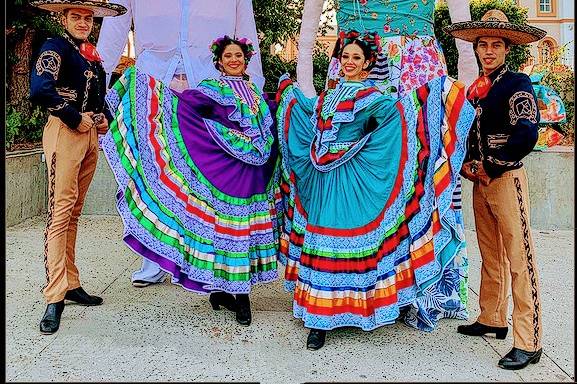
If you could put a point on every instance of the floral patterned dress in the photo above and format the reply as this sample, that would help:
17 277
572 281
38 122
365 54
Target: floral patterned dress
410 57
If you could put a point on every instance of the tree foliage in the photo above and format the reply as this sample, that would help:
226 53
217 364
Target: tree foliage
277 22
516 15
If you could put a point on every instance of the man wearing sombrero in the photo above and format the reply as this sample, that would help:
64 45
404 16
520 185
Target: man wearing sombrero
504 132
69 80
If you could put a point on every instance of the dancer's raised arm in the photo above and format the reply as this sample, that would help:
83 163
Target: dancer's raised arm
467 67
309 27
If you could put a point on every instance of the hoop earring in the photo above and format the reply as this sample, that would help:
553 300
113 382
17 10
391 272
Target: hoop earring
341 73
364 74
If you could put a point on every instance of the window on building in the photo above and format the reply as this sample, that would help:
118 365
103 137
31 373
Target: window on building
545 6
546 48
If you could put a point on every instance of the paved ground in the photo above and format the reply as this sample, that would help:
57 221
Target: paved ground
163 333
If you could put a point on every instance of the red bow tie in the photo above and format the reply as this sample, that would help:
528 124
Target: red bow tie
88 51
480 88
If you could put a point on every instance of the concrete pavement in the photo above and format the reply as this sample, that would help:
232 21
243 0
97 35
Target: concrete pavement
164 333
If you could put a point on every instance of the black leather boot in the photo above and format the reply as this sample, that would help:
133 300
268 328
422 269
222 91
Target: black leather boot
243 315
316 339
478 329
51 320
225 299
519 359
80 296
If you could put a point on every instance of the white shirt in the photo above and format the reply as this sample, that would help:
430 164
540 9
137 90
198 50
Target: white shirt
173 36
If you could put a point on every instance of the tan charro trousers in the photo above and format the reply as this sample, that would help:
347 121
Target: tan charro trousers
71 159
508 257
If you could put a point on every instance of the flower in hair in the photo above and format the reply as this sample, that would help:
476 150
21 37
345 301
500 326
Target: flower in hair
218 45
370 39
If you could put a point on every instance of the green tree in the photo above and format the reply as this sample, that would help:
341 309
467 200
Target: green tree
516 15
278 21
26 29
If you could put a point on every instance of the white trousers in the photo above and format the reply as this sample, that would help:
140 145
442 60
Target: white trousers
149 271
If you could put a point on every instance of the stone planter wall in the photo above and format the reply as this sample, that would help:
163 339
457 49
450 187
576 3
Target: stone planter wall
551 177
551 184
26 185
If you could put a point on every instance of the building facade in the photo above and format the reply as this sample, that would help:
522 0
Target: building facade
557 17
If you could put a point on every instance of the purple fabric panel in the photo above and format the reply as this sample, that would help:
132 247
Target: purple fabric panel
241 89
228 174
181 278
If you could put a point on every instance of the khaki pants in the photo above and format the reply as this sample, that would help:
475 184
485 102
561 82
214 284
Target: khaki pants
508 257
71 161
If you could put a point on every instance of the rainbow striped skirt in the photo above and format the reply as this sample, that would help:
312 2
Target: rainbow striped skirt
203 214
369 220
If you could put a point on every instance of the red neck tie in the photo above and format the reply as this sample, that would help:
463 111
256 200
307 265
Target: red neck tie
479 89
88 51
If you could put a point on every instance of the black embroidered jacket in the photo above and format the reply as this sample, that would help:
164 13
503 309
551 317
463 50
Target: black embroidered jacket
66 83
506 127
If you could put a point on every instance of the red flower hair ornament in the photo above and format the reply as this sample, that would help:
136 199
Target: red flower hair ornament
370 40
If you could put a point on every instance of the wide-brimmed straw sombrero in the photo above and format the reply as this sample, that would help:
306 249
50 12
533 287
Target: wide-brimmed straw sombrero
494 23
101 8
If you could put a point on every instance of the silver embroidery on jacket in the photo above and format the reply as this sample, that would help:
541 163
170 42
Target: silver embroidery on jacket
522 106
58 107
67 94
48 61
491 159
88 74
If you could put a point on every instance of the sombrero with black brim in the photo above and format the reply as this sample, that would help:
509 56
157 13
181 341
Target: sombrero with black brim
100 8
494 23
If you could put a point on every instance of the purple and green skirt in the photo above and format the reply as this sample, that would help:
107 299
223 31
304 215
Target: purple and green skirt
208 218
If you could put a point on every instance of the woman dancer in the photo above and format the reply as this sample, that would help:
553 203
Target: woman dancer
410 56
198 178
368 183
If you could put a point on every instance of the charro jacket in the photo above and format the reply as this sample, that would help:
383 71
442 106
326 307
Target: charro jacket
505 129
66 83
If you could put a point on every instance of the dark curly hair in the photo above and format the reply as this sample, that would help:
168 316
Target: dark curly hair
369 43
218 46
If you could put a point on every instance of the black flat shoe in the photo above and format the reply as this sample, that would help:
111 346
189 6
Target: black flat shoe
79 296
519 359
225 299
243 315
403 312
316 339
478 329
51 320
